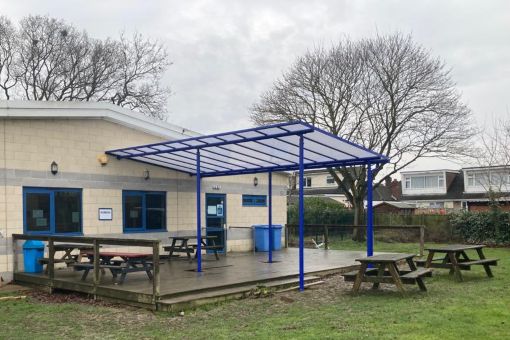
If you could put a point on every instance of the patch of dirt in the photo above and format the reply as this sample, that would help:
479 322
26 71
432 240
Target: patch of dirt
67 297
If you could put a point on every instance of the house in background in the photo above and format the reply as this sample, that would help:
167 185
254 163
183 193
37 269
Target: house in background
442 191
320 183
390 207
479 181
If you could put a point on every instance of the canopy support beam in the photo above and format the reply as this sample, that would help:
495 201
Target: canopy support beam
370 219
301 215
199 216
270 214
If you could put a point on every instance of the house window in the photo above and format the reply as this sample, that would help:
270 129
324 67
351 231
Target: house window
52 211
254 200
307 182
144 211
424 182
330 180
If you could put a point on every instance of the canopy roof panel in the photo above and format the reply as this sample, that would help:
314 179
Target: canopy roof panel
260 149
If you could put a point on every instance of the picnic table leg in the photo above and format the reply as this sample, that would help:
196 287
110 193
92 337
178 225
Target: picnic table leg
455 266
359 277
430 257
214 249
396 277
419 280
380 274
487 267
170 253
147 268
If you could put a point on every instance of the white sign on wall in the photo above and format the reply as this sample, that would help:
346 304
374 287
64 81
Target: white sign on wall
105 214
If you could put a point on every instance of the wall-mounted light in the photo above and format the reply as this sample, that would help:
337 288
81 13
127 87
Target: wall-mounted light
102 159
255 181
146 174
54 168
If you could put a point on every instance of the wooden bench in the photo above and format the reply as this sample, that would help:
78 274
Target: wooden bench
214 248
407 276
87 267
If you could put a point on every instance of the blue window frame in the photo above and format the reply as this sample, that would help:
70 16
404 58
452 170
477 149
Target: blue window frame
254 201
144 211
52 211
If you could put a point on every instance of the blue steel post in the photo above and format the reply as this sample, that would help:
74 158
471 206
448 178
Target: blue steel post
270 215
301 215
370 220
199 217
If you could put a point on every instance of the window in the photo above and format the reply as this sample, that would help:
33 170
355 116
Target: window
307 182
52 211
424 182
254 200
144 211
330 180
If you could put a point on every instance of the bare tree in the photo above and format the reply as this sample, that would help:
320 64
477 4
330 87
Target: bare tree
8 40
48 59
386 93
493 156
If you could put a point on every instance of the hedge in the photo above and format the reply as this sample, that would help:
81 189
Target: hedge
492 227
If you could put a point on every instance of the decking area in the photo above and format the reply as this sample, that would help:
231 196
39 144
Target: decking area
233 275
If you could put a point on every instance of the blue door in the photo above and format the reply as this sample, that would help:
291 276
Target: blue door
216 219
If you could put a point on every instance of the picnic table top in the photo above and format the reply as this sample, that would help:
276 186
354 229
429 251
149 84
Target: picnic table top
119 254
455 247
58 246
190 237
386 258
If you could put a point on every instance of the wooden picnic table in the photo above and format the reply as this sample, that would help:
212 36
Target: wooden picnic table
68 258
130 262
180 244
456 259
384 269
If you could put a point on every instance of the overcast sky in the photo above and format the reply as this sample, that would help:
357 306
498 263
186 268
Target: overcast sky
225 53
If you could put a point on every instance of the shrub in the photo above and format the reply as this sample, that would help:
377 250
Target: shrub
321 211
491 227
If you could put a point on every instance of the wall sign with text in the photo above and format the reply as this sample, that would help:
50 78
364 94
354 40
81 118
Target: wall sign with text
105 214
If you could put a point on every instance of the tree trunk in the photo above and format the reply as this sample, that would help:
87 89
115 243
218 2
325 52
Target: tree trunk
358 234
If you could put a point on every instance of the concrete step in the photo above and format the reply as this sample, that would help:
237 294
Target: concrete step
192 300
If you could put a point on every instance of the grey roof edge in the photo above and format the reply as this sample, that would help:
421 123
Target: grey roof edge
29 109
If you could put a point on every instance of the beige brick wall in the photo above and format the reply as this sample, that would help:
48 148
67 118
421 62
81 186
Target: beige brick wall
31 145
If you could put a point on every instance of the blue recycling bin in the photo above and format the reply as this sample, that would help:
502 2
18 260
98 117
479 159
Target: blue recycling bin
261 237
33 250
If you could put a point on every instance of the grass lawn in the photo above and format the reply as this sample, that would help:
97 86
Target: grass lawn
478 308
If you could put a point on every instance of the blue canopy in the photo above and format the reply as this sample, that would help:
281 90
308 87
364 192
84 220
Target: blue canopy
260 149
279 147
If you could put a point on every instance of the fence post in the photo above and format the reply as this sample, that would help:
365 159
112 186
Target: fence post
155 272
422 239
51 263
326 237
15 255
286 236
96 265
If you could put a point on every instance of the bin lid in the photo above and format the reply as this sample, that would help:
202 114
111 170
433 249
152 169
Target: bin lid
33 244
266 226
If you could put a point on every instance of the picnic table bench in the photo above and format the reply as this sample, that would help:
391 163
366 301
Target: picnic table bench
181 244
68 258
456 259
385 270
130 262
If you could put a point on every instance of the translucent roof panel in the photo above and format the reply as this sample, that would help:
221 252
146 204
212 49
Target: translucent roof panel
260 149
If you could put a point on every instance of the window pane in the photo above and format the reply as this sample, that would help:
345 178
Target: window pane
133 211
67 212
155 214
37 211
